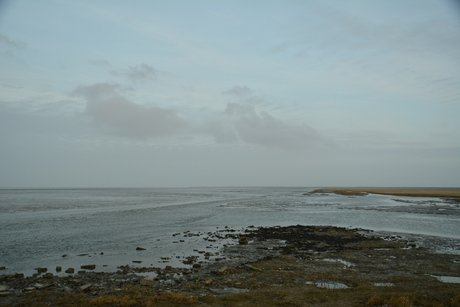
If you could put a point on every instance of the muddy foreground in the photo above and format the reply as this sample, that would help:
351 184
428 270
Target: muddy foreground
272 266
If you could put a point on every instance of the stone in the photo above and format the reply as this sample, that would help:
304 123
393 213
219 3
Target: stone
48 275
58 268
140 249
223 270
243 240
85 287
6 293
70 270
251 267
4 288
41 270
2 267
88 267
39 286
149 281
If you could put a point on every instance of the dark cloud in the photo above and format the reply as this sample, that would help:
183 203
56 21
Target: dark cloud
122 117
137 73
239 91
5 40
263 129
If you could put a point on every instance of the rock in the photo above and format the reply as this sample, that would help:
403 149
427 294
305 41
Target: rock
88 267
2 267
243 240
140 249
39 286
196 265
6 293
85 287
41 270
48 275
253 268
208 282
137 261
58 268
4 288
149 281
70 270
82 255
223 270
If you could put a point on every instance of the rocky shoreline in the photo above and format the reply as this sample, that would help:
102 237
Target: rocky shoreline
262 262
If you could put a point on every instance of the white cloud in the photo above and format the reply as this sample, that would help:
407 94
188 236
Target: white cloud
125 118
239 91
263 129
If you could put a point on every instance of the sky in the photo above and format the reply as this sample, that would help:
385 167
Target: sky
229 93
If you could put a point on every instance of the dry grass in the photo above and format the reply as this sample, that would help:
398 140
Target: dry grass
415 192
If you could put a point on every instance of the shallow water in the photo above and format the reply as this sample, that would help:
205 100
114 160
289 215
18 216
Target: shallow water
39 226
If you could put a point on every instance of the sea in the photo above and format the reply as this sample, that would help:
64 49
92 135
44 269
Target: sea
162 226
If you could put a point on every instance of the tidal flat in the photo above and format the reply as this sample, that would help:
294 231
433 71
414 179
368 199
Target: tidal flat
294 265
182 247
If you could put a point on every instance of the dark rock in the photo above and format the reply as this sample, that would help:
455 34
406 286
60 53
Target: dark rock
85 287
58 268
70 270
243 240
140 249
88 267
41 270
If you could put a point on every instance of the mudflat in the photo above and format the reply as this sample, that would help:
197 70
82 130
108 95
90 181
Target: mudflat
297 265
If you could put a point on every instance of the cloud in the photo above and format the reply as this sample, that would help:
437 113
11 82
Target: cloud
263 129
239 91
125 118
100 63
4 39
137 73
281 47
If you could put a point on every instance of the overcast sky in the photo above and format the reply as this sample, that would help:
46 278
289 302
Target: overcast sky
229 93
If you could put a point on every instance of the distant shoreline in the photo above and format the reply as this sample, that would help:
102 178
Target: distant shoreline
413 192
